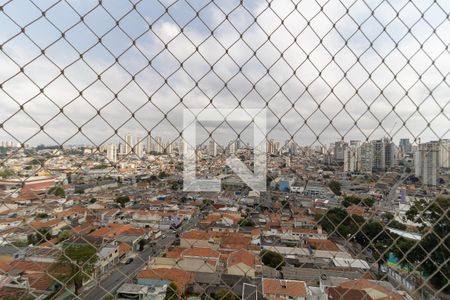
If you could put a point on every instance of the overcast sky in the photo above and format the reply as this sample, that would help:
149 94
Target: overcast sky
323 69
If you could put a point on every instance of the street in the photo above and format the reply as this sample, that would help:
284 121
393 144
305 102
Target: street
123 273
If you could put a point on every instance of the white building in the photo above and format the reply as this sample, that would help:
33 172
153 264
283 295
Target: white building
158 145
427 162
350 159
129 144
111 153
212 148
365 159
139 149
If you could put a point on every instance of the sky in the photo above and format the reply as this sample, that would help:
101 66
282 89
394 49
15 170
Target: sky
80 72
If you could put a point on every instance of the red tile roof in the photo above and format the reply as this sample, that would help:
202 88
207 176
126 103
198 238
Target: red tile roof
324 245
195 235
367 286
277 287
179 277
241 256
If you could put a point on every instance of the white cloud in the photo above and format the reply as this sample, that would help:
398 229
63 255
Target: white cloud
319 47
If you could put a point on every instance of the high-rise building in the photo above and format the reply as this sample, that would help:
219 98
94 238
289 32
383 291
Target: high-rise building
427 161
232 147
139 148
405 146
158 145
212 148
121 149
273 147
355 143
389 154
111 153
365 158
339 148
350 159
168 148
378 156
128 144
238 144
293 149
182 146
444 155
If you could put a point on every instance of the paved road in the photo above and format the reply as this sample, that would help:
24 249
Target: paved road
390 202
124 273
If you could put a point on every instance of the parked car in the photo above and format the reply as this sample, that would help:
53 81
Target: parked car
129 261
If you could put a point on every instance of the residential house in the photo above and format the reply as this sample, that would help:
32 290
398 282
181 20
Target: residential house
108 256
243 263
284 289
151 277
197 238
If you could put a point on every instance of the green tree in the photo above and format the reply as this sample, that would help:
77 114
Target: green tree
80 260
42 216
335 187
122 200
434 218
172 292
396 224
206 203
225 294
162 175
64 235
246 223
41 236
349 200
57 191
338 221
6 173
371 233
272 259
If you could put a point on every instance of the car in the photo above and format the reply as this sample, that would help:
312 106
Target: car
129 261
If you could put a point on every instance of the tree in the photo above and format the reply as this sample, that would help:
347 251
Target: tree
338 221
41 236
64 235
162 175
122 200
172 292
6 173
205 204
396 224
272 259
93 200
335 187
57 191
434 218
246 223
349 200
80 260
225 294
42 216
372 232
